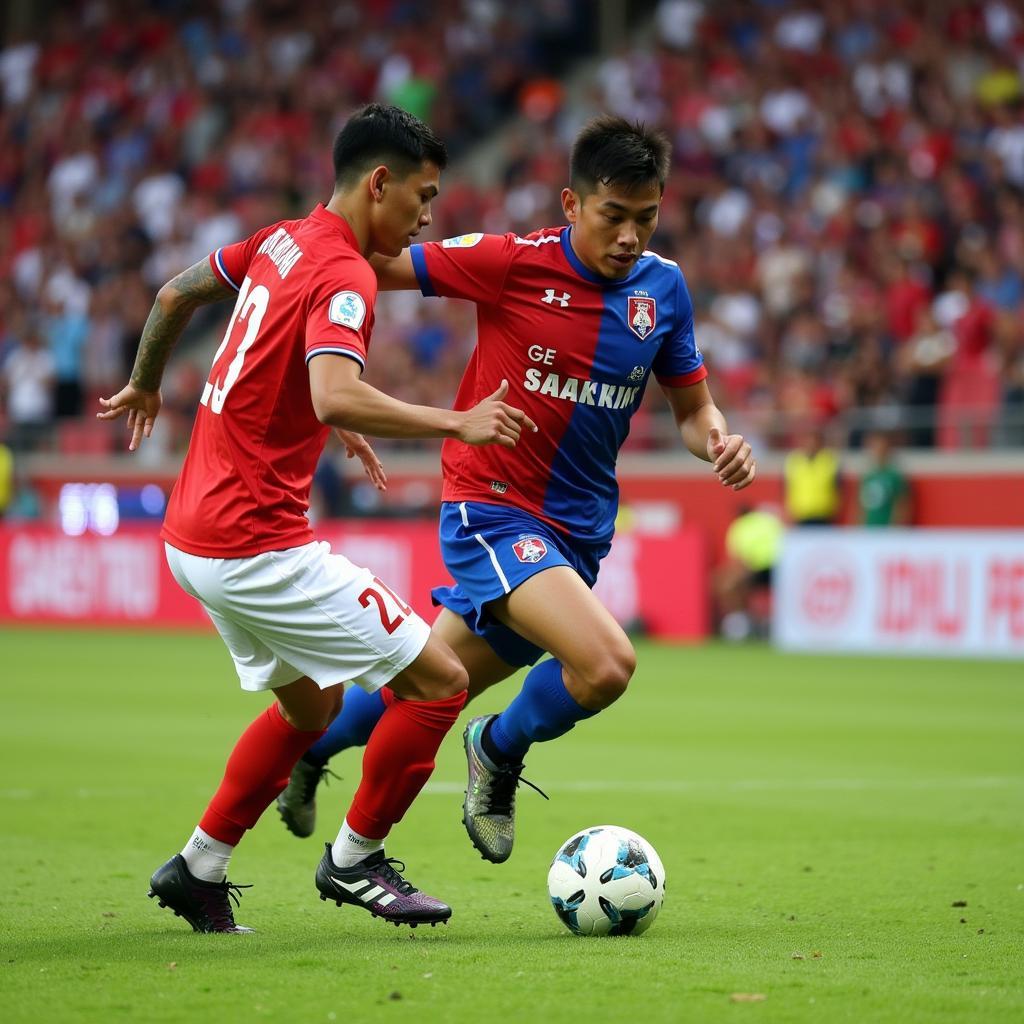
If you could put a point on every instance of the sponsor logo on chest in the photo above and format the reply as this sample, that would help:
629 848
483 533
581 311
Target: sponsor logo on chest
583 392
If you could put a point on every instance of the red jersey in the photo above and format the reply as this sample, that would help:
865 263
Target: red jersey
304 289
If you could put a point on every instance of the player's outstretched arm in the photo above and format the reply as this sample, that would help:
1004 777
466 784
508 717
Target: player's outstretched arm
342 400
704 432
395 273
175 303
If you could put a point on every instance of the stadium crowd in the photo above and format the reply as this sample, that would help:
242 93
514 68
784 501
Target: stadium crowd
847 200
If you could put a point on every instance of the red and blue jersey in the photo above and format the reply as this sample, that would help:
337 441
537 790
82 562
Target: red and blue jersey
577 350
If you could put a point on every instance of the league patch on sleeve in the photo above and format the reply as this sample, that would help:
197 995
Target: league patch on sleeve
462 241
347 309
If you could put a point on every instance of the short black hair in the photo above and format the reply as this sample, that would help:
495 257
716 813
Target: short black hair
615 151
382 134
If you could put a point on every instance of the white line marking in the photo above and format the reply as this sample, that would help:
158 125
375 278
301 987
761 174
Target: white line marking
439 787
445 787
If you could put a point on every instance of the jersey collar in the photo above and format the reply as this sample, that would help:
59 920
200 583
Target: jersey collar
331 220
585 272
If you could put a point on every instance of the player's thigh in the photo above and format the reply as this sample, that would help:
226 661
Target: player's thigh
334 620
483 666
557 611
316 613
259 666
306 706
435 674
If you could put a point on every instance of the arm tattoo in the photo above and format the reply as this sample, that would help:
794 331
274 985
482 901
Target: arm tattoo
193 287
200 285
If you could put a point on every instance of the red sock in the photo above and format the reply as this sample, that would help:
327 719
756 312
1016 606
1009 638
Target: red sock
398 761
257 770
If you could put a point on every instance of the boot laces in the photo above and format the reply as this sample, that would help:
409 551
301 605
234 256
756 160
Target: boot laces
217 902
313 779
502 790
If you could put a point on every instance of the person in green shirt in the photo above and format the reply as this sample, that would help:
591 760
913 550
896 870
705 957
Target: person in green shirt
884 488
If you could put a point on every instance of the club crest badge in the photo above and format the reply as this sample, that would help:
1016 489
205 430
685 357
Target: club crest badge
530 549
641 315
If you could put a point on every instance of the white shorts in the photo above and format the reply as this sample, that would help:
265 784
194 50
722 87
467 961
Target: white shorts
303 612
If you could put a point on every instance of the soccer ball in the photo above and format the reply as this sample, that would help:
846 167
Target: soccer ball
606 880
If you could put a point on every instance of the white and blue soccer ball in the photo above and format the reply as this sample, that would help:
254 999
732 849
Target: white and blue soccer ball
606 880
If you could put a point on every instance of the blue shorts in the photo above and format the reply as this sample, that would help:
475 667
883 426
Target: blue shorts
490 550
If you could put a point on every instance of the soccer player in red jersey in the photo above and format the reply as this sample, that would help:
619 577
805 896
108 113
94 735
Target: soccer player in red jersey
296 619
578 318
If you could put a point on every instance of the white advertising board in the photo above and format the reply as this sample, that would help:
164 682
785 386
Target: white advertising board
953 592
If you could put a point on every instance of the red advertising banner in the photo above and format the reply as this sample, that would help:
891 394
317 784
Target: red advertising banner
658 582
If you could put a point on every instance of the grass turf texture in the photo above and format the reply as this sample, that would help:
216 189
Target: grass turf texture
820 819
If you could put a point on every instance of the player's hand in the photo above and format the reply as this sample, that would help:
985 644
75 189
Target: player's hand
357 447
492 421
141 406
731 459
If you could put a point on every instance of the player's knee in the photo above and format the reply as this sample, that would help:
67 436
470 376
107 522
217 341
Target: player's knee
314 715
610 675
452 680
447 677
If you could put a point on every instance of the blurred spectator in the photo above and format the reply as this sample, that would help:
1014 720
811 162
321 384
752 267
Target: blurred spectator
329 497
742 583
66 331
884 493
811 481
28 378
1010 341
923 361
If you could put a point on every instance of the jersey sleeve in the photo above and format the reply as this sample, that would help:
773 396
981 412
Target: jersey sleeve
339 320
470 267
231 262
679 363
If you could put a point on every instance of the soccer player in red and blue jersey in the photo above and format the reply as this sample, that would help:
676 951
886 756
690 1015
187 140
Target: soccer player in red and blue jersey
578 318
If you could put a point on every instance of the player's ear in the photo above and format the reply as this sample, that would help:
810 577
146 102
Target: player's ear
378 182
571 204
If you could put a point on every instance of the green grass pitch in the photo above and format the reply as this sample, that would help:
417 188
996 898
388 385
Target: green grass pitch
842 837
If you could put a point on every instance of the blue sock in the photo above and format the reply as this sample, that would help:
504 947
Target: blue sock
360 712
543 710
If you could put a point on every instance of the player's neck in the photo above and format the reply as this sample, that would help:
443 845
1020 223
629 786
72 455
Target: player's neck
345 207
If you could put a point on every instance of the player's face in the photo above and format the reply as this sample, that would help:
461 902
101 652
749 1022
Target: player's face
611 227
404 208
